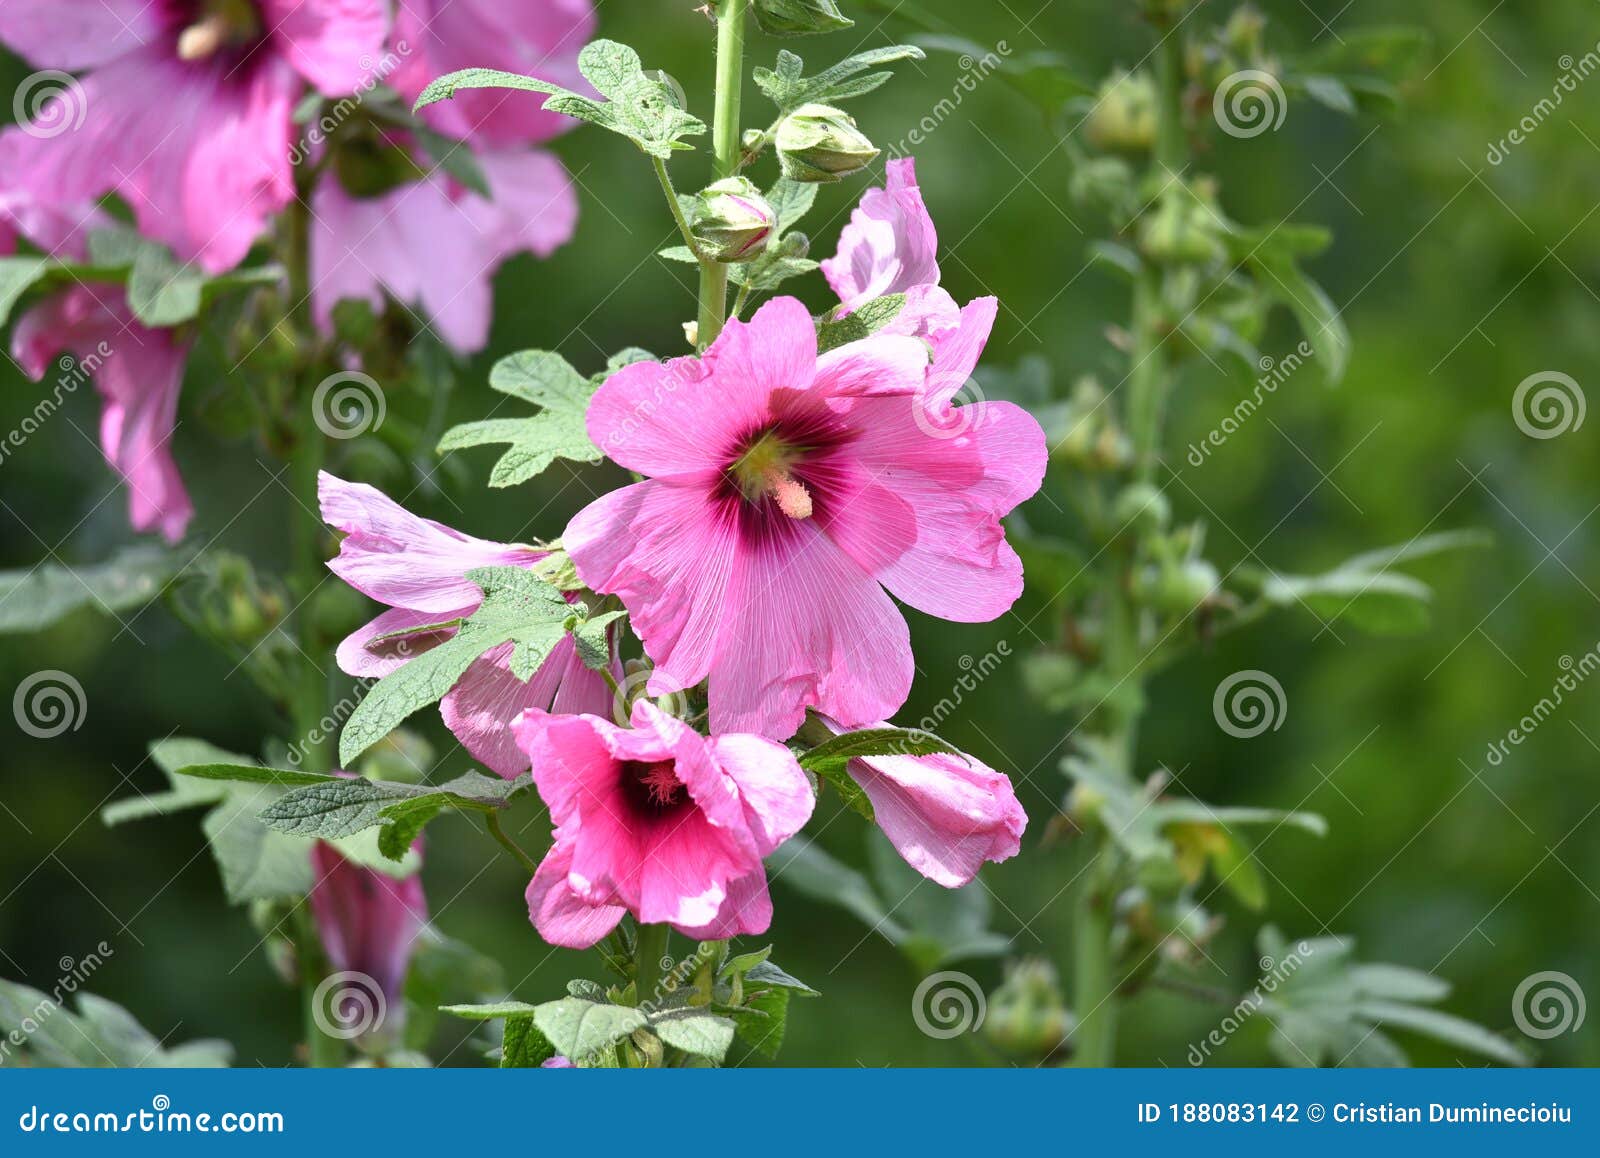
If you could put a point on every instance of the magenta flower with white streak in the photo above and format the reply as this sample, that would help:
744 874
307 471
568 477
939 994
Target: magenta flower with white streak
658 821
186 106
783 492
418 567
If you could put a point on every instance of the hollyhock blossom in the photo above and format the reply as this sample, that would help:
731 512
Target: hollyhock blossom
418 568
362 247
186 106
368 923
784 491
658 821
944 813
136 370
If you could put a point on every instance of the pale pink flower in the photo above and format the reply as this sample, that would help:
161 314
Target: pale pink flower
137 371
534 37
435 245
368 923
418 568
186 110
658 821
784 491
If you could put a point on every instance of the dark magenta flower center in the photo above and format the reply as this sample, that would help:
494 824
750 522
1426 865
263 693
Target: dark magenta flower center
786 469
652 787
203 29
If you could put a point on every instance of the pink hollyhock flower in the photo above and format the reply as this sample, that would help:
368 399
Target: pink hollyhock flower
186 107
658 821
418 567
784 491
944 813
368 923
362 247
540 39
137 371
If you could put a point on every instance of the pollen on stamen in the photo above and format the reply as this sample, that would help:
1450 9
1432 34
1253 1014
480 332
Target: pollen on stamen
793 498
661 783
203 38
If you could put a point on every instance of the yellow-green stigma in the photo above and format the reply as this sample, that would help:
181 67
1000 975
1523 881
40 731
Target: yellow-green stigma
221 23
765 469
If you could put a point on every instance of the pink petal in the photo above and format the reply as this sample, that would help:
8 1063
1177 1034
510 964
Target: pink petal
875 365
890 244
570 759
538 39
746 911
561 917
956 351
359 655
367 921
397 558
337 45
80 34
777 796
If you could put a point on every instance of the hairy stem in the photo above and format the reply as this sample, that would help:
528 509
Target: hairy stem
726 154
649 953
492 823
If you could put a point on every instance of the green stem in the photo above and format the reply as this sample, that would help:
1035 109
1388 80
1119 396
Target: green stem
649 951
726 154
1171 147
1094 988
677 210
322 1051
492 823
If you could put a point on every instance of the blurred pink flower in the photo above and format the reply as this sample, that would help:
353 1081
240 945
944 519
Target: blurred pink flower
434 245
658 821
185 107
945 814
784 491
535 37
137 371
418 567
368 923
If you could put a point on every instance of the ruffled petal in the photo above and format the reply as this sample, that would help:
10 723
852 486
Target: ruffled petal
337 45
776 795
561 917
890 245
876 365
745 911
85 34
360 653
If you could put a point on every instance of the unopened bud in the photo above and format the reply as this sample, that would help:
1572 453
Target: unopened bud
731 221
799 17
1124 115
821 143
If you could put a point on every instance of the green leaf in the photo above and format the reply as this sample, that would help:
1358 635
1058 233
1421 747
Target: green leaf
1445 1027
455 157
593 640
835 754
1320 320
253 774
34 599
765 973
763 1021
162 291
788 89
580 1029
695 1032
866 320
331 810
944 924
17 276
100 1034
805 867
1330 92
517 607
546 380
490 1012
640 107
524 1047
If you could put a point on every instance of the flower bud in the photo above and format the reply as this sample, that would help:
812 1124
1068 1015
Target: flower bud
821 143
799 17
1027 1016
1182 231
1141 508
731 221
1124 114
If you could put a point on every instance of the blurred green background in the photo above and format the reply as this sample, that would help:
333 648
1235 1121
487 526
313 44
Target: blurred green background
1458 278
